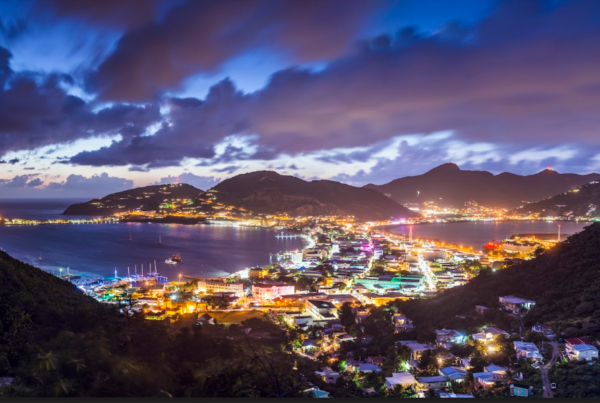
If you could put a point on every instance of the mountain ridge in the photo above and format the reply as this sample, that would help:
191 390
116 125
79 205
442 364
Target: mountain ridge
448 185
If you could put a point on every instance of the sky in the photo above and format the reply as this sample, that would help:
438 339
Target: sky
97 97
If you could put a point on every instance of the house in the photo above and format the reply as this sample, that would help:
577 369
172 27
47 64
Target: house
545 330
344 337
486 379
416 349
489 333
580 349
361 316
353 365
403 379
402 323
497 369
308 345
376 360
205 319
455 395
320 310
454 374
337 328
480 309
449 336
328 375
527 350
433 382
516 305
368 368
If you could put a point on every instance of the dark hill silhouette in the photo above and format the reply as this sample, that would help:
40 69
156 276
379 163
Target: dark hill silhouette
563 282
269 192
581 202
448 185
146 198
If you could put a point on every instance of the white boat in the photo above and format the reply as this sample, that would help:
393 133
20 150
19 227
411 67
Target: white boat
170 261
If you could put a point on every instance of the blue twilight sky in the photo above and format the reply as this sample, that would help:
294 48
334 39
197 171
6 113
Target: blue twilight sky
102 96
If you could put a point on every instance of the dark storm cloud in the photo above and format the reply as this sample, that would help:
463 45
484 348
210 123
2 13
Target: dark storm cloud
118 13
36 111
96 184
529 74
200 36
21 181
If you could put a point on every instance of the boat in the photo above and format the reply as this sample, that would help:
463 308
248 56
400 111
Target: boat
170 261
176 257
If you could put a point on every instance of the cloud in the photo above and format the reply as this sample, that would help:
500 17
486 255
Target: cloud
201 182
200 36
36 111
21 181
527 75
97 185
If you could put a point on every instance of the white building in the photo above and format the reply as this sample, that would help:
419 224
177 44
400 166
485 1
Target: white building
403 379
263 291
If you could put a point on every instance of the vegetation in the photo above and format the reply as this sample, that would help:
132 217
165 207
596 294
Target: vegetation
55 341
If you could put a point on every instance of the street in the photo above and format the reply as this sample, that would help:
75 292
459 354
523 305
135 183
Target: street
546 368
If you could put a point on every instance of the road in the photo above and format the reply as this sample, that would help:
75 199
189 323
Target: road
546 368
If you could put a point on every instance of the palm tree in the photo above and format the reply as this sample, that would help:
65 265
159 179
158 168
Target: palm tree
78 363
61 387
47 360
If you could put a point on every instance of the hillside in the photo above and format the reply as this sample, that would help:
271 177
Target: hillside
54 341
144 198
268 192
448 185
580 202
563 282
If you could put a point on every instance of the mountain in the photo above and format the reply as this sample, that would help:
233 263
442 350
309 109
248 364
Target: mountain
579 202
268 192
144 198
563 282
448 185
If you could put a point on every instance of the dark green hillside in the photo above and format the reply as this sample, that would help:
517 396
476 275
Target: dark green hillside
144 198
54 341
580 202
564 282
268 192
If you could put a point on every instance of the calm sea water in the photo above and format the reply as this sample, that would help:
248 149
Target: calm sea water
476 234
96 249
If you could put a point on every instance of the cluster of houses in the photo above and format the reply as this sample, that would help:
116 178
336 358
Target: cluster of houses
411 378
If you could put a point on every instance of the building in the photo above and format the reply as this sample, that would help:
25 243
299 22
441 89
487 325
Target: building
263 291
205 319
328 375
489 334
433 382
449 336
258 273
520 390
487 379
515 304
527 350
454 374
403 379
402 323
417 349
580 349
320 310
211 286
313 254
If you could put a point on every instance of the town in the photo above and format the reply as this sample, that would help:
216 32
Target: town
339 303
